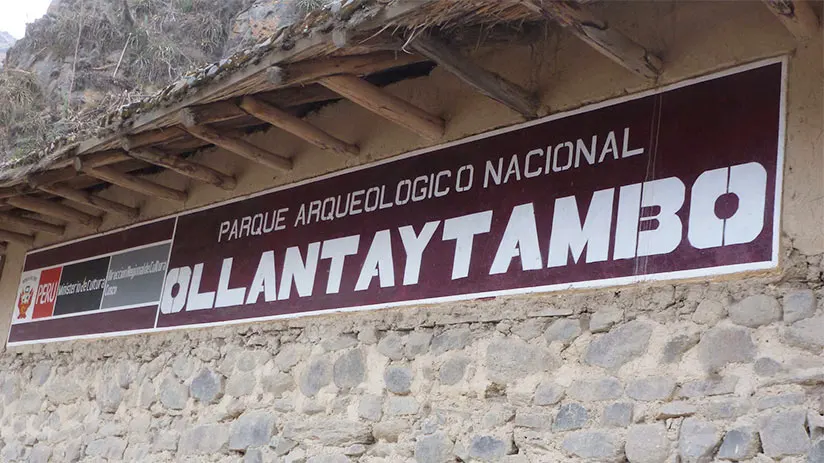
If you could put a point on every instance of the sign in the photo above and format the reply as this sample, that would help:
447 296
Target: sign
680 182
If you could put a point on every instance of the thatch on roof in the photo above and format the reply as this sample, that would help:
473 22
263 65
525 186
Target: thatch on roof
356 20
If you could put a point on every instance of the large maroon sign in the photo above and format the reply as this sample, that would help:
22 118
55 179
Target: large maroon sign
677 183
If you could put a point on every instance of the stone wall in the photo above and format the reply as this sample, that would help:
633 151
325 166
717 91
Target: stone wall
726 370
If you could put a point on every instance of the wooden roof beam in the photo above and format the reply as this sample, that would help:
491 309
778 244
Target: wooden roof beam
386 105
797 16
19 238
55 209
131 182
185 167
91 200
482 80
296 126
239 146
32 224
153 137
609 41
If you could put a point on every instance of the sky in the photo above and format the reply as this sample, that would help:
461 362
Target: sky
15 14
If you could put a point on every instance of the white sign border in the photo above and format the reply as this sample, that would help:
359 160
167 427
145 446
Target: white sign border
589 284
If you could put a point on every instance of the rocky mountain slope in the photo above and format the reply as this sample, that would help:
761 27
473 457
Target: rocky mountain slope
87 57
6 41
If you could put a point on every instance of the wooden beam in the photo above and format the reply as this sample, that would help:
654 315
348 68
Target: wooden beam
386 105
241 147
486 82
131 182
68 172
8 192
33 224
51 177
599 34
797 16
153 137
210 113
296 126
185 167
55 209
19 238
91 200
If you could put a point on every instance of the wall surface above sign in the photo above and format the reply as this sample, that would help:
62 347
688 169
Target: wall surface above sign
679 182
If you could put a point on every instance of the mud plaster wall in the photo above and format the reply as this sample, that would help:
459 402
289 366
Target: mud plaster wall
644 373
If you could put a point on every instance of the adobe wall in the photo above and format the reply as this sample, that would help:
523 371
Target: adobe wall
728 369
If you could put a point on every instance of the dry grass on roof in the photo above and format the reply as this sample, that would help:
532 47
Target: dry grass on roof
447 14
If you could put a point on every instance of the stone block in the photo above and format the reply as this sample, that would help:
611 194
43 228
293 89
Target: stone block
806 334
605 318
570 416
497 416
401 406
798 305
595 445
607 388
368 335
548 393
207 386
434 448
203 440
328 432
619 345
816 453
533 420
41 373
398 379
453 369
647 443
676 347
755 311
281 445
783 433
349 369
740 444
277 383
766 366
708 387
391 345
563 330
785 399
165 440
288 356
452 339
697 440
417 343
651 388
110 448
529 329
488 448
510 359
618 414
721 346
339 342
316 375
389 431
337 458
240 383
40 453
370 407
709 312
173 394
251 429
728 409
